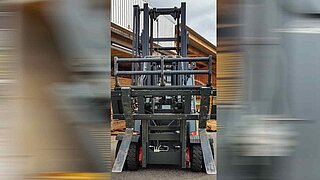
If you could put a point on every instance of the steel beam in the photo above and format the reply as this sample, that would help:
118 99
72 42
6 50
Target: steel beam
165 72
184 37
161 117
144 131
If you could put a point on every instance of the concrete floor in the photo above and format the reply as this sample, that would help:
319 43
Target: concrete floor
159 171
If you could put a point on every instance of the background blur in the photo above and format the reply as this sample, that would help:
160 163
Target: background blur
268 89
54 89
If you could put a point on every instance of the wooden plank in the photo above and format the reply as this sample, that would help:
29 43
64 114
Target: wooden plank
211 125
229 73
123 81
118 125
117 132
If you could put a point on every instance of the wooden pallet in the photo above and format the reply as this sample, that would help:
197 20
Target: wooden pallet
123 81
212 125
118 125
117 132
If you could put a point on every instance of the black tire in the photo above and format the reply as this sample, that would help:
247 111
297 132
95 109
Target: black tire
132 160
196 158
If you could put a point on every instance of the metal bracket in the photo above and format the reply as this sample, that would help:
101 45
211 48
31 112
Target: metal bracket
207 153
126 103
204 106
123 151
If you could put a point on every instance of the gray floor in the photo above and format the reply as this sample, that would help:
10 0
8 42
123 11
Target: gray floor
159 172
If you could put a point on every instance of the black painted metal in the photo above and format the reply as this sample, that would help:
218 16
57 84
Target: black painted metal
161 62
166 59
126 103
204 106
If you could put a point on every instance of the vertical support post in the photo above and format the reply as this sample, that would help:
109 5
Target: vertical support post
183 141
184 38
145 131
138 32
204 106
154 80
145 43
178 34
145 142
134 31
187 104
135 40
126 103
209 83
116 71
151 34
137 43
134 48
174 77
162 72
183 130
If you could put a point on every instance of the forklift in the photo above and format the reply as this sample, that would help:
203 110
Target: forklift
163 124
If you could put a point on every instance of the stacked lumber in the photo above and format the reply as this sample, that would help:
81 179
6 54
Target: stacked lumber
211 125
122 80
229 82
117 125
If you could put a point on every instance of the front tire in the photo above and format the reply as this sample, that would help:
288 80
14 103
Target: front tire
132 160
196 158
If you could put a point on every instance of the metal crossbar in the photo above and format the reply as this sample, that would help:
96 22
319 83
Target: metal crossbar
162 61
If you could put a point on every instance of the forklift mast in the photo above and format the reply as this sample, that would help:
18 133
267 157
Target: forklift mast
161 123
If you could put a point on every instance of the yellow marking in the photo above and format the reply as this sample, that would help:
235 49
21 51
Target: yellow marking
74 176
